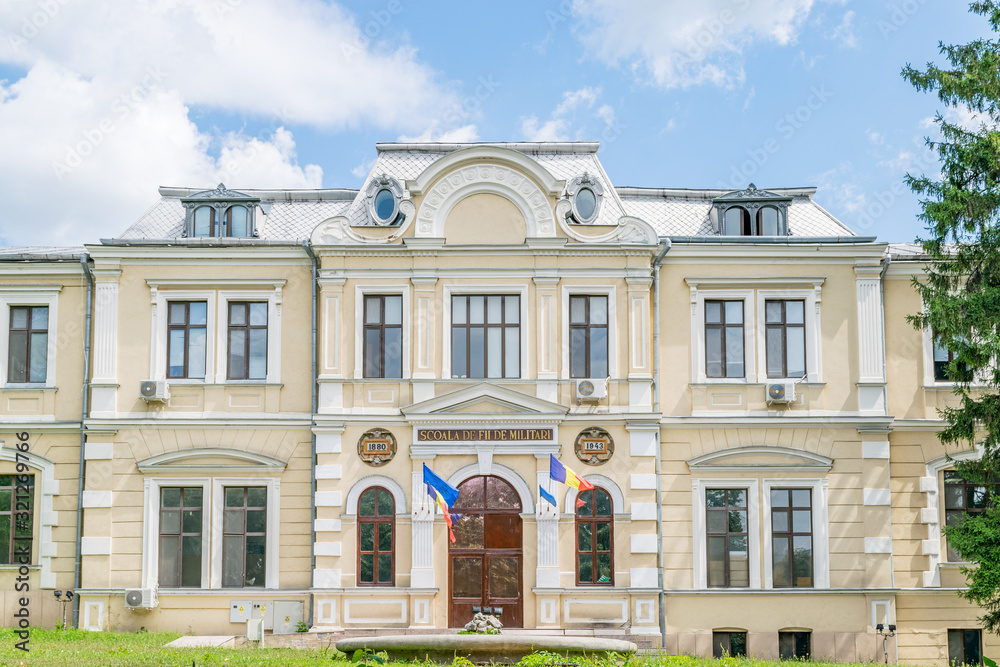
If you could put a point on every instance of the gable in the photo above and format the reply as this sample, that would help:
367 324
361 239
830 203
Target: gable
210 460
761 459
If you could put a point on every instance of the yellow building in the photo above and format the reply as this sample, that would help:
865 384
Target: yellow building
271 371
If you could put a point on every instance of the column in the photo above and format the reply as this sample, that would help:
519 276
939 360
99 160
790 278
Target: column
104 383
871 344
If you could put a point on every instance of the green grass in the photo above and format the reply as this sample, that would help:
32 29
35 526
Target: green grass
78 648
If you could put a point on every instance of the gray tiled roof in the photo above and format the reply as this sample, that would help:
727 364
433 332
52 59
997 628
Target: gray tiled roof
40 253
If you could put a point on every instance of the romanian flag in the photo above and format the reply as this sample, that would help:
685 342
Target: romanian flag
564 475
449 518
444 496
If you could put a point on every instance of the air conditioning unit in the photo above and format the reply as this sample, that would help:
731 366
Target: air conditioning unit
140 598
154 390
781 392
591 389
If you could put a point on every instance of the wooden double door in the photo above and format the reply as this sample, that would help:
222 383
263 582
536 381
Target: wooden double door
485 564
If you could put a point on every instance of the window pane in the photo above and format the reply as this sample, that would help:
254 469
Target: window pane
18 371
366 575
385 536
366 537
366 506
713 312
232 521
739 562
495 351
781 569
257 496
476 309
737 521
237 354
178 313
170 497
373 310
503 577
584 537
196 353
476 353
255 561
467 577
738 497
802 553
603 504
512 309
973 653
734 352
393 353
599 352
237 314
232 560
170 521
794 312
202 220
716 561
715 497
192 497
578 310
586 568
512 360
198 312
578 353
598 310
258 354
458 310
734 312
940 353
385 503
801 521
774 353
373 350
469 533
779 497
493 310
168 559
39 353
603 568
796 341
176 362
192 521
772 312
258 314
393 310
385 568
234 496
603 536
801 497
256 521
238 221
458 354
779 522
716 520
768 217
713 353
40 318
733 222
191 562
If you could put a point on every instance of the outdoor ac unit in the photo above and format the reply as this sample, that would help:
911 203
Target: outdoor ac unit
154 390
592 389
140 598
781 392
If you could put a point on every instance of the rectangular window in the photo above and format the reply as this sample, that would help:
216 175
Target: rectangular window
785 338
727 538
181 528
17 511
792 539
29 344
962 497
965 647
794 645
244 536
486 336
186 339
733 644
247 340
724 339
383 332
588 336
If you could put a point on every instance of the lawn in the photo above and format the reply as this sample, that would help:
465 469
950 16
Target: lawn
77 648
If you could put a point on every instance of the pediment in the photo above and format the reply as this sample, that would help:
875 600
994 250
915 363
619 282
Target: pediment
210 459
762 459
485 399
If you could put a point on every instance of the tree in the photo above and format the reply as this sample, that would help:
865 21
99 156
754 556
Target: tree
961 286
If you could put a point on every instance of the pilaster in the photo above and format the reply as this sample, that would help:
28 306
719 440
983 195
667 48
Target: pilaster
871 344
104 383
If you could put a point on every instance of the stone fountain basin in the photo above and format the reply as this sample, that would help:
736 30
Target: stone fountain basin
507 649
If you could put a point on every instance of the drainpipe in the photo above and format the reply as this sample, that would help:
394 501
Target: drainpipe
84 411
888 463
659 465
312 432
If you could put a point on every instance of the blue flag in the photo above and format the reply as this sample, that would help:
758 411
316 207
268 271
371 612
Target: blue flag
547 496
448 492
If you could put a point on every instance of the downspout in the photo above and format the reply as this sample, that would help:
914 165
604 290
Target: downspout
312 432
84 411
656 409
888 463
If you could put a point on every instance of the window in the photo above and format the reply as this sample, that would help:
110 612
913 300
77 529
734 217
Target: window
965 647
186 339
727 537
247 340
585 193
751 212
376 534
942 357
791 535
724 339
588 336
794 645
244 536
785 338
594 538
733 644
738 222
181 527
962 497
29 344
383 333
486 336
17 506
211 222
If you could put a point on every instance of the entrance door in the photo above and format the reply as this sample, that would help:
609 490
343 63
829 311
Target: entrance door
485 562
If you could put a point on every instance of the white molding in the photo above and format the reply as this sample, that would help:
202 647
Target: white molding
273 362
569 603
509 474
801 460
151 527
520 290
368 481
490 154
34 295
360 291
871 325
47 488
591 290
698 298
95 546
875 449
95 499
273 540
105 331
700 527
820 527
160 317
813 334
606 483
401 602
93 615
174 462
931 484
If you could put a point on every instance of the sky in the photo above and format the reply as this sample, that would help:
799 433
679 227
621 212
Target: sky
103 101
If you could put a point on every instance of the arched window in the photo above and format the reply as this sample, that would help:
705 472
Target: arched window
738 222
204 221
767 221
376 538
234 222
595 539
237 222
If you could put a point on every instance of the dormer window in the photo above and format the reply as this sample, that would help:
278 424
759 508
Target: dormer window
220 213
751 212
383 197
585 194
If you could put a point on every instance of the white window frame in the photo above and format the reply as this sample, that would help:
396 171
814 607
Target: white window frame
360 292
699 344
460 290
820 528
273 375
36 295
813 332
161 319
213 489
591 290
699 487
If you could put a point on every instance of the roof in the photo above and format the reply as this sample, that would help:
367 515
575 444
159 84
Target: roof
291 215
40 254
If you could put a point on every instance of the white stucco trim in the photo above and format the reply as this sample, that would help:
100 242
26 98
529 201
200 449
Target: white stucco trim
591 290
34 295
360 291
503 290
273 539
509 474
932 514
151 526
45 516
273 299
368 481
699 485
606 483
820 527
698 298
812 298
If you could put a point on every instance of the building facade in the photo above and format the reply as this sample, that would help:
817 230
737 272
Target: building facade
271 371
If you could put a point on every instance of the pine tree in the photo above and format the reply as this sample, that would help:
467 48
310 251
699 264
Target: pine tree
961 287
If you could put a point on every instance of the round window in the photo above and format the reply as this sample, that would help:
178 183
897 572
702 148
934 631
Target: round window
586 203
385 205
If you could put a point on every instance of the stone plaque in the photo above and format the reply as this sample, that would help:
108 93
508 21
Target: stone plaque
594 446
377 446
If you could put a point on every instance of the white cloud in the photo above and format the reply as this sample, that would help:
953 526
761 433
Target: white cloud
842 185
463 134
555 129
844 33
103 114
559 125
678 43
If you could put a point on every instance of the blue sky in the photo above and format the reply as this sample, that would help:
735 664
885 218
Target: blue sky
101 102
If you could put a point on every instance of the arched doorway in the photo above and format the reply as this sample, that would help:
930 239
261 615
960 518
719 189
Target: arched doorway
485 563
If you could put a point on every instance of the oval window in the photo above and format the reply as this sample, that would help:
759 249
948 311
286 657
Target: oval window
586 204
385 205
